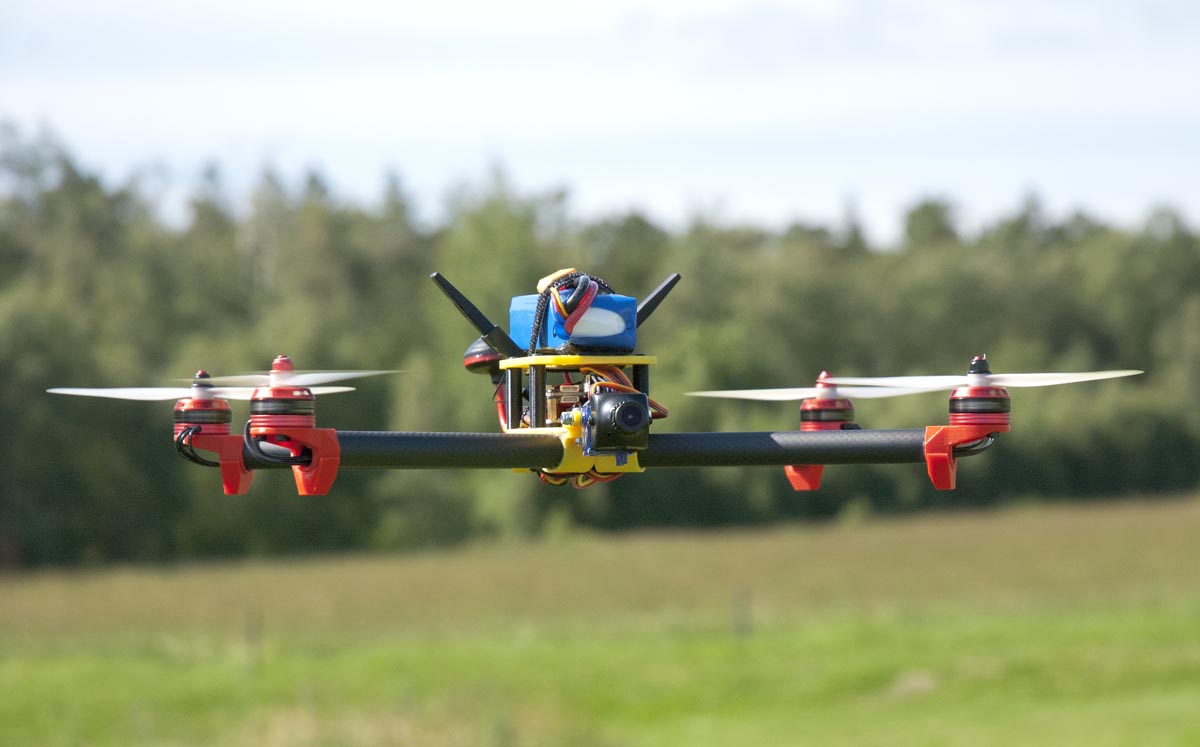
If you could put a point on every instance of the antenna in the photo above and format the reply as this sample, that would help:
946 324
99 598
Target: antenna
647 307
496 338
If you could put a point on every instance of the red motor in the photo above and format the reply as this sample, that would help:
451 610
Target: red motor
202 411
284 413
979 402
827 411
824 412
279 405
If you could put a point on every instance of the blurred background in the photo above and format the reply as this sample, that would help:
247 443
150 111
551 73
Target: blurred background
869 188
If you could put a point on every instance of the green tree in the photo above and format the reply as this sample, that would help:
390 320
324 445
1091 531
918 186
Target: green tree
100 291
931 222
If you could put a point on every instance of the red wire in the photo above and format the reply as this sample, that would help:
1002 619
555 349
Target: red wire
584 304
500 408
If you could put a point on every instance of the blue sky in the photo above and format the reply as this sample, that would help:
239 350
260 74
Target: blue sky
769 112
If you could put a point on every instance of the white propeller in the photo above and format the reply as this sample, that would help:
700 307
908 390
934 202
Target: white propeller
229 387
824 390
292 378
980 375
809 392
282 374
158 393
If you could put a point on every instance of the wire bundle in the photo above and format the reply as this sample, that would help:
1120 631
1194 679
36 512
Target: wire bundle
571 308
578 481
183 444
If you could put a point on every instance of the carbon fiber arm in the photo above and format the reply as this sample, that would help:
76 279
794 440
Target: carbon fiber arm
786 447
413 450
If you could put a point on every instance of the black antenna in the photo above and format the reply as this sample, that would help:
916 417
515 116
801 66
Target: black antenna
496 338
647 307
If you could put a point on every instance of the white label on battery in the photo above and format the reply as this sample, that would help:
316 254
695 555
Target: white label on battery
599 323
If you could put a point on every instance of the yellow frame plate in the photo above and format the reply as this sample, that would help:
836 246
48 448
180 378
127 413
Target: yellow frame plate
577 361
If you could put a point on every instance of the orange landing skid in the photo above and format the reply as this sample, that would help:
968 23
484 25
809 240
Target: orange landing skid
235 478
316 477
940 443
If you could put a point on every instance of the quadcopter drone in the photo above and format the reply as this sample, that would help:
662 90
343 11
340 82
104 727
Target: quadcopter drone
574 407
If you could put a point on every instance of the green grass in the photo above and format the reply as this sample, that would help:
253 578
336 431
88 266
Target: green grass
1071 625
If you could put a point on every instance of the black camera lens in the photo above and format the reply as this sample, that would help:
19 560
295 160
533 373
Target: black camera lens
617 421
630 416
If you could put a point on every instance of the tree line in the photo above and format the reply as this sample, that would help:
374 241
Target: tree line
97 289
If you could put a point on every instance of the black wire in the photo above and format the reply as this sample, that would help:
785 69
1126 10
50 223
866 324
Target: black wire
252 445
539 314
975 447
183 444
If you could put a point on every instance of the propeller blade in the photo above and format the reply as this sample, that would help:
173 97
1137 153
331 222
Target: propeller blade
249 381
929 383
145 393
879 392
312 378
933 383
231 392
318 390
159 393
1051 379
765 395
809 392
294 378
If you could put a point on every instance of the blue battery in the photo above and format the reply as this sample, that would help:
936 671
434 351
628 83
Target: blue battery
608 326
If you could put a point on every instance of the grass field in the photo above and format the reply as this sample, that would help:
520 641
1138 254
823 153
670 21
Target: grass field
1063 625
